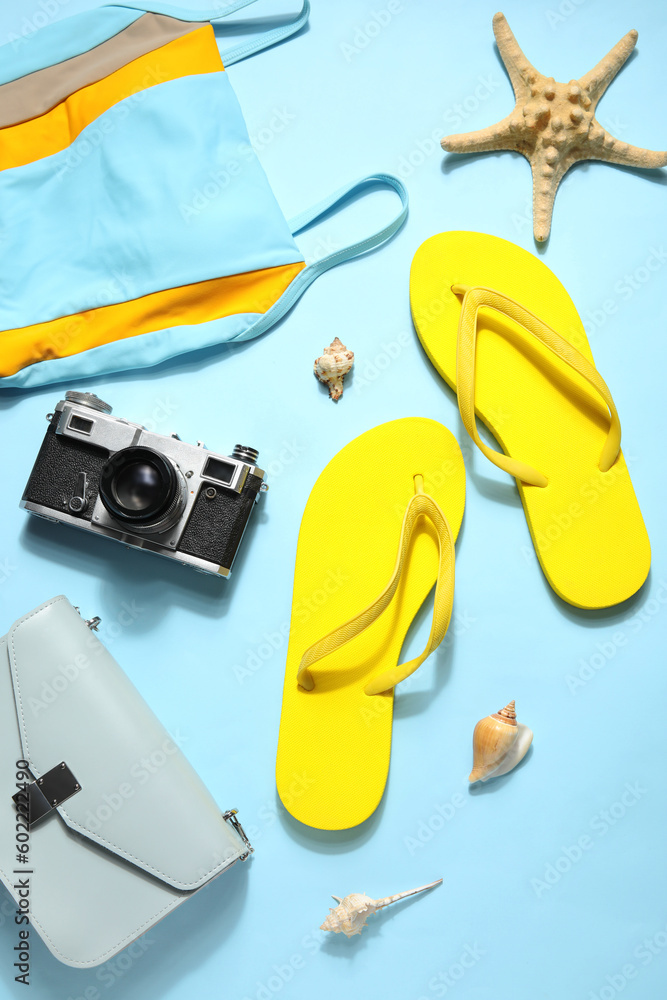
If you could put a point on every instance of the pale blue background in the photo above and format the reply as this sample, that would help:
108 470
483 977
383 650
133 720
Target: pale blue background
354 112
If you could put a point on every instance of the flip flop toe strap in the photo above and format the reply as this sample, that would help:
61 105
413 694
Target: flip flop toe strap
421 504
479 297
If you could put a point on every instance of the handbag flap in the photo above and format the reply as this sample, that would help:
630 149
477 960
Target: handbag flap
139 797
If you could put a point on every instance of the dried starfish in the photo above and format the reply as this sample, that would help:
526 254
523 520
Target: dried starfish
553 124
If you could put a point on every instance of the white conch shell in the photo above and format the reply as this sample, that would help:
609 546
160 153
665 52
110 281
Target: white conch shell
499 743
352 912
333 366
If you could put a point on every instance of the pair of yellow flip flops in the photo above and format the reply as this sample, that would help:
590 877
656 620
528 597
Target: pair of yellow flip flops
502 331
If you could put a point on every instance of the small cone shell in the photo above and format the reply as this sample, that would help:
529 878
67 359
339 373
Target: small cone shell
492 739
333 366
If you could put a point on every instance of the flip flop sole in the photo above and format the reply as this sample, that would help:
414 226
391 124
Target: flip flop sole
335 741
586 525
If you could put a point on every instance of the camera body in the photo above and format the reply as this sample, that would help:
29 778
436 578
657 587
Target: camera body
151 491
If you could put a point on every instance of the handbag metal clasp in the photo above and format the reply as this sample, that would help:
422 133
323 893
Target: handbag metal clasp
45 794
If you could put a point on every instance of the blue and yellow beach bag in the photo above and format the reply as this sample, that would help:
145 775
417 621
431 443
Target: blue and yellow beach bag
136 220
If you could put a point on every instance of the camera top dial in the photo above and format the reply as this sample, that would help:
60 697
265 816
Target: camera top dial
87 399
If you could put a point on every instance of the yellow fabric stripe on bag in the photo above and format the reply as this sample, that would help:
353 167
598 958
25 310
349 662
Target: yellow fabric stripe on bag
32 140
36 93
251 292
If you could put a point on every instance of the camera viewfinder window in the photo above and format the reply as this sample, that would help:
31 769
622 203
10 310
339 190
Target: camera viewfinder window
223 472
81 424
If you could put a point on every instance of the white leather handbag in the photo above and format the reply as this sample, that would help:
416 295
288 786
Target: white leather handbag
104 825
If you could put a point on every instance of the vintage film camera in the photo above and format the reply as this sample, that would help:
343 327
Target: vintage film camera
151 491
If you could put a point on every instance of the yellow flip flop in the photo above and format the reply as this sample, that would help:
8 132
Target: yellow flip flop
503 332
398 488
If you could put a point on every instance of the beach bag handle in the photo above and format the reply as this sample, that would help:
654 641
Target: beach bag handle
313 270
264 40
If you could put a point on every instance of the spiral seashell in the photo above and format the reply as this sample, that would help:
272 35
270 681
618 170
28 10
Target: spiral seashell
333 366
499 743
351 914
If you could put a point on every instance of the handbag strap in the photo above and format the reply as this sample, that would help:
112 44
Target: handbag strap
263 40
312 271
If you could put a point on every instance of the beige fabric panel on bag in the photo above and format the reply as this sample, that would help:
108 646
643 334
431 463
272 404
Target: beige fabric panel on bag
35 94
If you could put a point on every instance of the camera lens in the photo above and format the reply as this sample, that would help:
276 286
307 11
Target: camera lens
138 486
142 489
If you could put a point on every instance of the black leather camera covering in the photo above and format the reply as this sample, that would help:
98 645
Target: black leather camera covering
60 460
215 526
